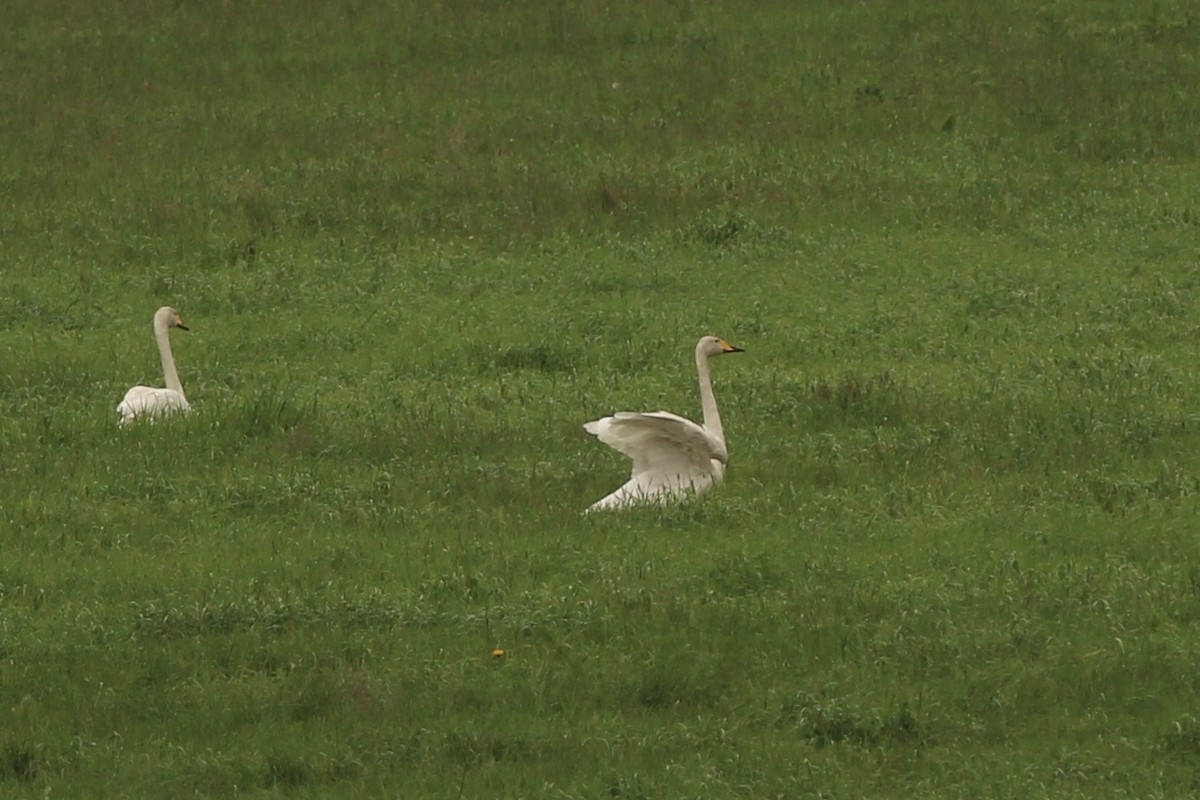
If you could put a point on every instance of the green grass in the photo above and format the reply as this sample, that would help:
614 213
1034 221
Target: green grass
418 245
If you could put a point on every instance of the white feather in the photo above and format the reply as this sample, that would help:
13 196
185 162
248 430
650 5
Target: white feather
149 402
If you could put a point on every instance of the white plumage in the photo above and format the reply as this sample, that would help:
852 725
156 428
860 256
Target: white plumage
673 458
150 402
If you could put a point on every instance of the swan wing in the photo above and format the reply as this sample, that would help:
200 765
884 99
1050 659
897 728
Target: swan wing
658 440
672 456
147 401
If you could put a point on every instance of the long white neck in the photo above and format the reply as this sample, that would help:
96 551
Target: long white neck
708 400
162 336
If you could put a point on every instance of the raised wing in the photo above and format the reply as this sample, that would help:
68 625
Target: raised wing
671 456
659 441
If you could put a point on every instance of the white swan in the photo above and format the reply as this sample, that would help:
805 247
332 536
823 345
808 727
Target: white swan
146 401
672 457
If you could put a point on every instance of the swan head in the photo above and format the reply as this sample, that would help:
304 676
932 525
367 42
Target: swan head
715 346
168 317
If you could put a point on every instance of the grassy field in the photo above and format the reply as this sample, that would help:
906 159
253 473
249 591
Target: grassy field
419 244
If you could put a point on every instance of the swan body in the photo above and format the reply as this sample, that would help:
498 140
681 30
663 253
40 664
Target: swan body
673 458
149 402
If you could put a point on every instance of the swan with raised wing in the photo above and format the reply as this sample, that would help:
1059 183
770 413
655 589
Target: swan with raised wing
673 458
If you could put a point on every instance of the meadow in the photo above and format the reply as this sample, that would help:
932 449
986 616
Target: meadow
419 244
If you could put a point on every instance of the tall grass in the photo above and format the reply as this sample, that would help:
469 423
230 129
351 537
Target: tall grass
418 245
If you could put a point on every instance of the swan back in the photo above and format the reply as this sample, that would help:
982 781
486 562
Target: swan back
148 402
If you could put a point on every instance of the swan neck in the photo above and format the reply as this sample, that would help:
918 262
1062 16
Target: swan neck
162 336
708 400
